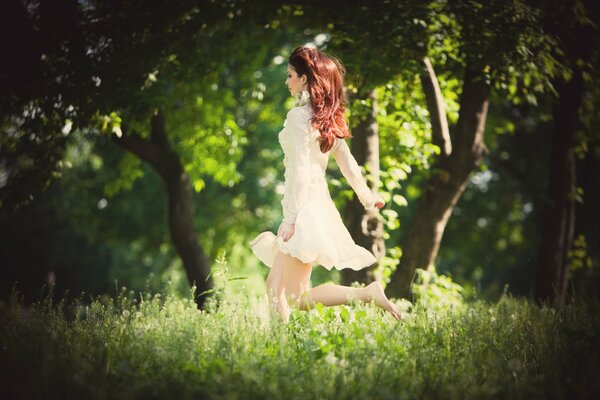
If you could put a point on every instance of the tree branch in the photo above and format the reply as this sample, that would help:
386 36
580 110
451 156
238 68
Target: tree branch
147 150
440 134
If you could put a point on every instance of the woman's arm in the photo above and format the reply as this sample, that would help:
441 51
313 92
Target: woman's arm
297 179
351 171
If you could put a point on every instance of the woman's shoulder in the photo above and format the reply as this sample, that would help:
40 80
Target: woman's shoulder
300 111
298 115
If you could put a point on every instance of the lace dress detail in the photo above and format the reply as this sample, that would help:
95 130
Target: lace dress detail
320 236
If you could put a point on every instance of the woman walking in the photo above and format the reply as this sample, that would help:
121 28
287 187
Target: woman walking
312 231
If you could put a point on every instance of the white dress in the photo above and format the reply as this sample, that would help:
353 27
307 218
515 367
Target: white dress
320 236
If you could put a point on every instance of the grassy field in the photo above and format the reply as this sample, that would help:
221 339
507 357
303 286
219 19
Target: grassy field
137 345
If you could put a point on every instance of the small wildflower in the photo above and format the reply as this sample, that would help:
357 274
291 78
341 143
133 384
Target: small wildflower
369 339
331 358
351 318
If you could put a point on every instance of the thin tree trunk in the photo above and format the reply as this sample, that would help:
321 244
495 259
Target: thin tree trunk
449 175
365 227
158 153
552 272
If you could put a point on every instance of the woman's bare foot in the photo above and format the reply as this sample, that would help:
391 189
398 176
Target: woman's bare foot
374 291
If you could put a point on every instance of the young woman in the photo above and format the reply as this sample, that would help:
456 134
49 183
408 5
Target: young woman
312 231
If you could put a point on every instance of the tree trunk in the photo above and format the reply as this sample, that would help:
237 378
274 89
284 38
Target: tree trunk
588 220
449 175
365 227
558 225
158 153
552 272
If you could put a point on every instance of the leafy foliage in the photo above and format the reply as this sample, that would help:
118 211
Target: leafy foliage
437 292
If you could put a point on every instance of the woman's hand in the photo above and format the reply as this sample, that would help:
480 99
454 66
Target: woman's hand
286 231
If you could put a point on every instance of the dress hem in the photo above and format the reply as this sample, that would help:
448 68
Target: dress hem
266 245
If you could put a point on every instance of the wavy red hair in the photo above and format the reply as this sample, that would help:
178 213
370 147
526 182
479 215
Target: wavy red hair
326 87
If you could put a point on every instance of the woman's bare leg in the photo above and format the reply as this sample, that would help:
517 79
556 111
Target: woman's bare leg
276 289
292 278
296 276
331 295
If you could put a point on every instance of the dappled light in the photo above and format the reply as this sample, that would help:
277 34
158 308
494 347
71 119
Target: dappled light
170 226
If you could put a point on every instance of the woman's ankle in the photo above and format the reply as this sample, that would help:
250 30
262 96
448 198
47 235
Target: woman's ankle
365 294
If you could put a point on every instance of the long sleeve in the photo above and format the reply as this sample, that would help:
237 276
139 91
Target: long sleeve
297 178
351 171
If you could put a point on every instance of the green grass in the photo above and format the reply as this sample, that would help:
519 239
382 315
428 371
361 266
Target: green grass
153 346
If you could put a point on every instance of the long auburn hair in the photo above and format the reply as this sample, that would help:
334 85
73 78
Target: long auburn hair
326 87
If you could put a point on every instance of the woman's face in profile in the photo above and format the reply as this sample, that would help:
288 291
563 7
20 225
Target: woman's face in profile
293 81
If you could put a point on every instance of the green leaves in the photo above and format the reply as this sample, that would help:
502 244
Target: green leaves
437 292
128 171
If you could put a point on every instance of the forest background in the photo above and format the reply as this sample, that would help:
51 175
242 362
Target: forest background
139 144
